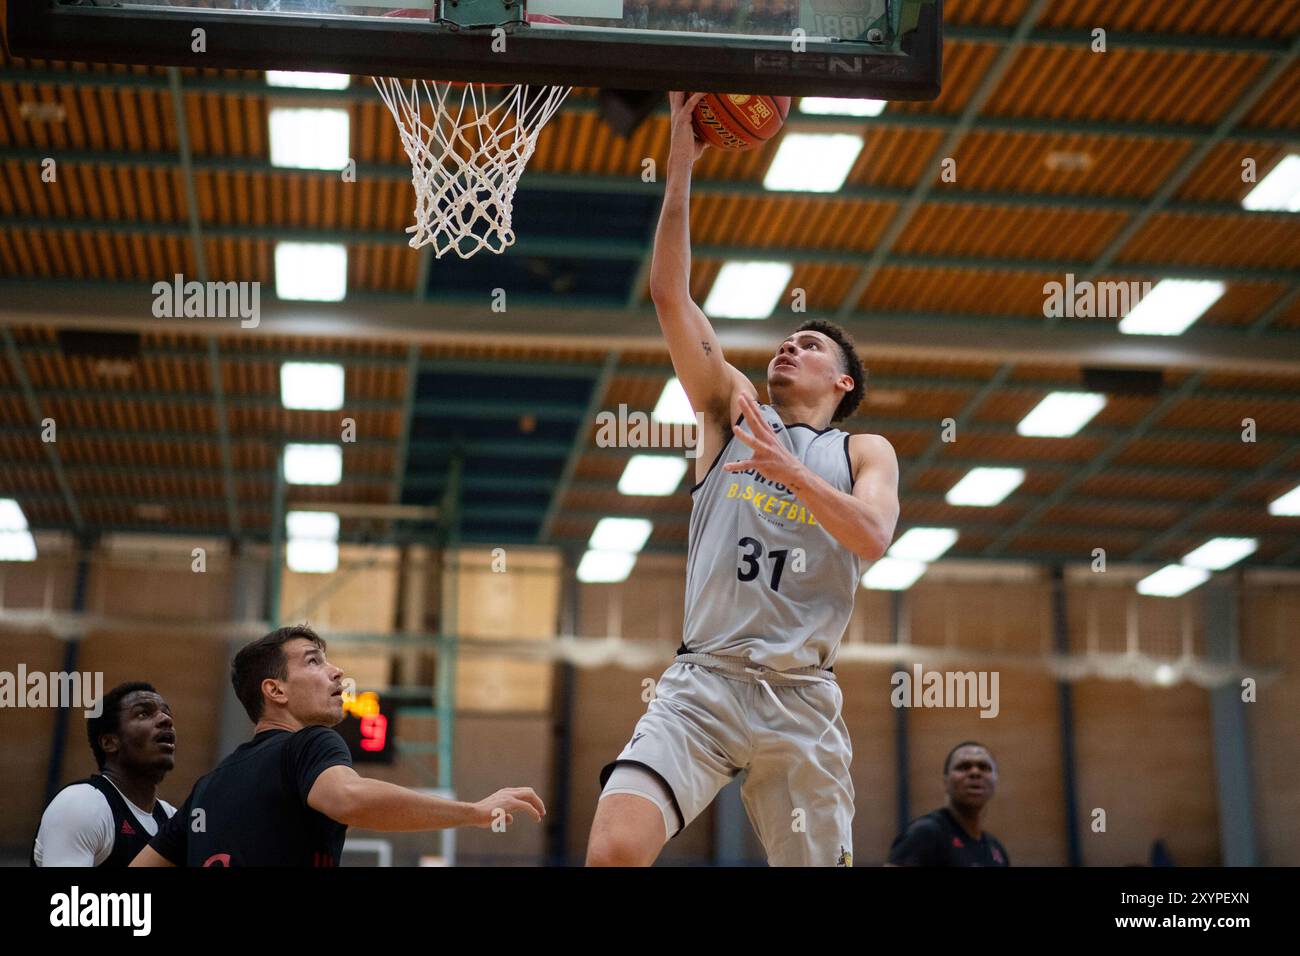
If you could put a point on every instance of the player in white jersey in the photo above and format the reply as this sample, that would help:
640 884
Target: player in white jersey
786 510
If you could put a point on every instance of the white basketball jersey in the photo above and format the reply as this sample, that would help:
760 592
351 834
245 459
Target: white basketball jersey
764 580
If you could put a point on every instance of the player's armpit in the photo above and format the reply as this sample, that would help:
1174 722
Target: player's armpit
150 857
718 419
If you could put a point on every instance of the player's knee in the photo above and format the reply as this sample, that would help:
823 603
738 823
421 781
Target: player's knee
614 847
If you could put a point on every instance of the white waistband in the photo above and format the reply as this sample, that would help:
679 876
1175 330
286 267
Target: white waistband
740 667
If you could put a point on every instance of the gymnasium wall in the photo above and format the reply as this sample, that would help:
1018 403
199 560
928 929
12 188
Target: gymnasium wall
1143 753
1270 634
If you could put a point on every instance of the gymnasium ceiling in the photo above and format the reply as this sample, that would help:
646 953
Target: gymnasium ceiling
1117 166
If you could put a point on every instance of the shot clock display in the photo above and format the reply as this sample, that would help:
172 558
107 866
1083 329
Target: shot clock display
369 728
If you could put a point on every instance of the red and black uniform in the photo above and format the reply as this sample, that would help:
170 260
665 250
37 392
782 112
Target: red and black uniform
937 839
252 809
128 834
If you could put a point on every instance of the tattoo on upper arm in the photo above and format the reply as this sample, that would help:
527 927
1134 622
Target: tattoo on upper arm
708 349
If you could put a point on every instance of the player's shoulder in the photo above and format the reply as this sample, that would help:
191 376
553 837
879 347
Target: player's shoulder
316 732
317 737
81 793
77 802
867 449
869 443
933 822
167 808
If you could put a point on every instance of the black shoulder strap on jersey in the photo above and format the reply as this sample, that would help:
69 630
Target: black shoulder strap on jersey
159 814
129 836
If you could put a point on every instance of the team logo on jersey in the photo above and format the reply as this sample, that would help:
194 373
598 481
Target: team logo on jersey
846 858
127 829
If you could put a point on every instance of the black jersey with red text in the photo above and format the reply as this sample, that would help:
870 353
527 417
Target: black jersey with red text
252 809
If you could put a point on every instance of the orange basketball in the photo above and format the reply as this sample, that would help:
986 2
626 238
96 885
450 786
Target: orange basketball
736 121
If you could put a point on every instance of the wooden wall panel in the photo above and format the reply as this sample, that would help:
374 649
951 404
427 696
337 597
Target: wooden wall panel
1145 756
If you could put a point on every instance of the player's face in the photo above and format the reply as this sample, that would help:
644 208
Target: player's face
146 737
315 685
972 777
808 362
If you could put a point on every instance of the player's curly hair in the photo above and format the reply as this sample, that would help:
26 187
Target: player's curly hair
851 365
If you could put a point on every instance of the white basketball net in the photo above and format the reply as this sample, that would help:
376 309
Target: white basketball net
466 165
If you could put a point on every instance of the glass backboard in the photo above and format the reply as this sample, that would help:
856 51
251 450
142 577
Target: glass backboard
881 49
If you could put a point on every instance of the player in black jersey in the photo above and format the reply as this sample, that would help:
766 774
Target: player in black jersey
287 797
954 835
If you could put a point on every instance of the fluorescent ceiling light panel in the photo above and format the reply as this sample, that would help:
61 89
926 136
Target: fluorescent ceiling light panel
308 81
316 525
620 534
813 162
312 547
605 567
748 290
311 271
307 556
673 407
1219 553
11 516
1061 414
1279 191
313 464
1172 306
16 542
985 487
17 546
923 544
652 475
893 574
1173 580
311 385
835 106
1288 504
309 138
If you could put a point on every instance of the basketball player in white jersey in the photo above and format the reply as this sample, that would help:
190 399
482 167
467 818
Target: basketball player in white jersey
785 512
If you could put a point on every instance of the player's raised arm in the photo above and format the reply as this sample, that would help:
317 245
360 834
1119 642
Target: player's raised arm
697 357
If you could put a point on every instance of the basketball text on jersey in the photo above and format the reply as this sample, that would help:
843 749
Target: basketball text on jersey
785 509
75 909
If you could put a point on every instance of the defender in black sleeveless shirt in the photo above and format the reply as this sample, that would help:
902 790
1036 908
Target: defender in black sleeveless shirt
107 818
953 835
287 797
